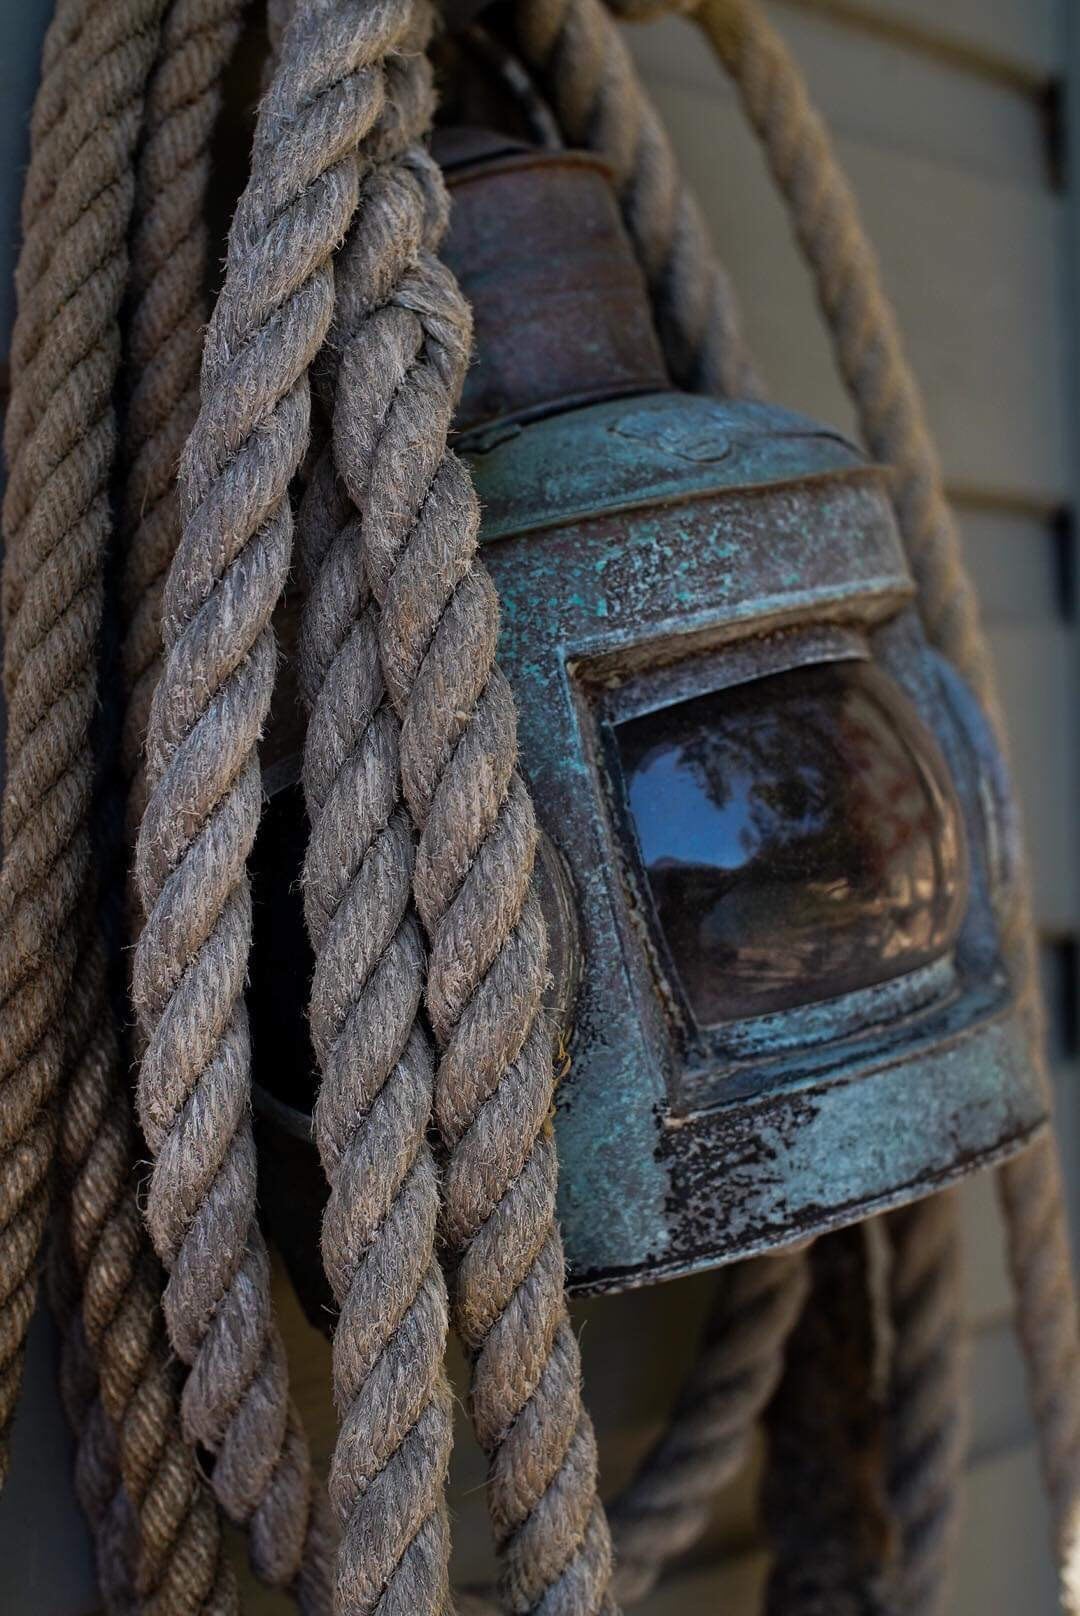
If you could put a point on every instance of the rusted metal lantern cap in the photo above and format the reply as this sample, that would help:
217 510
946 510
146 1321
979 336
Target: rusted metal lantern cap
538 247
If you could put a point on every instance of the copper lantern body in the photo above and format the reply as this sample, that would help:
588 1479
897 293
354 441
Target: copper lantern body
776 838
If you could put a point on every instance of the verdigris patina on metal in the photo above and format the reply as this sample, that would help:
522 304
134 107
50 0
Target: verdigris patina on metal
775 838
733 561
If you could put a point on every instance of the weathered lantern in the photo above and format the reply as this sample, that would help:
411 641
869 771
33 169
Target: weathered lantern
776 837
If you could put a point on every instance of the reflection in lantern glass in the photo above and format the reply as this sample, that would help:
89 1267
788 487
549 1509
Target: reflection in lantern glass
800 837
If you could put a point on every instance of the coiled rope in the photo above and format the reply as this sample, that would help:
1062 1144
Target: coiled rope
388 1473
120 1384
61 440
96 1468
60 444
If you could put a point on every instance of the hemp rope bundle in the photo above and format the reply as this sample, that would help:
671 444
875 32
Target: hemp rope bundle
210 704
400 373
388 1472
165 315
666 1506
96 1464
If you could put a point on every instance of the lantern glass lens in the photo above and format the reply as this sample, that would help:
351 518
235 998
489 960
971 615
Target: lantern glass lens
799 835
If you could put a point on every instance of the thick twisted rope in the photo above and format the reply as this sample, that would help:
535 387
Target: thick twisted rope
175 1560
209 707
68 266
88 57
98 1484
105 1285
165 319
57 526
104 1504
868 348
388 1472
96 1458
179 1565
41 226
97 1470
927 1399
399 378
587 73
389 1465
666 1507
40 229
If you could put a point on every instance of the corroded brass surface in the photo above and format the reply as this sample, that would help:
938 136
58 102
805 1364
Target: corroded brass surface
720 587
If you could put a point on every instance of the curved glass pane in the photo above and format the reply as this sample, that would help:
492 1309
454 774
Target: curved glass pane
800 838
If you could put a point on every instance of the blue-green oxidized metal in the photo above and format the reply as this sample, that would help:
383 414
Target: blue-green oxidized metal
776 840
646 551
